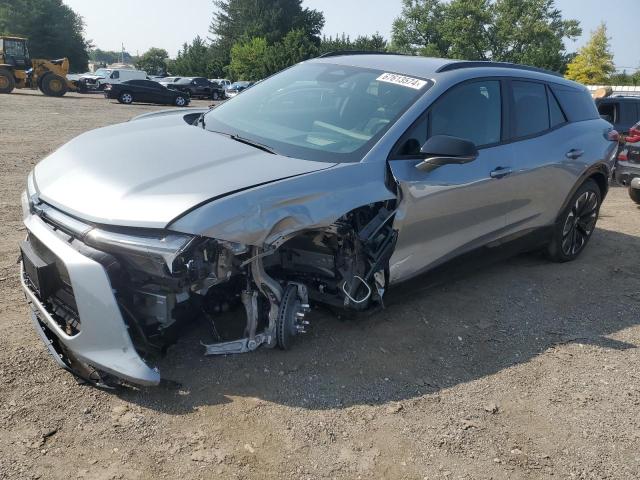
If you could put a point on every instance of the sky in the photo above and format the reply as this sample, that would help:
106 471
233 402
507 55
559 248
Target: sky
141 24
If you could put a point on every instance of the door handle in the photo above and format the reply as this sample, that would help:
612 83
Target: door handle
500 172
574 153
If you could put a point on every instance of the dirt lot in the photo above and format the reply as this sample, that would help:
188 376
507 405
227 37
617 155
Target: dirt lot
519 369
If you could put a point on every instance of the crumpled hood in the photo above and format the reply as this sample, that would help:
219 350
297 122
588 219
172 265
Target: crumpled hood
147 172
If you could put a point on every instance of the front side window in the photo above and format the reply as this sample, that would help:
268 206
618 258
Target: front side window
531 110
318 111
471 111
115 75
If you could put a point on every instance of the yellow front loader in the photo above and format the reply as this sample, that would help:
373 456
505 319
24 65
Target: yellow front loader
17 70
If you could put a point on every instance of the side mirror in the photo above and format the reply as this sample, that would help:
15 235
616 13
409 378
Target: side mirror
446 150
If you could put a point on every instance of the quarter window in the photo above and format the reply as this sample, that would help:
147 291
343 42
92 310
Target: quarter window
531 115
555 112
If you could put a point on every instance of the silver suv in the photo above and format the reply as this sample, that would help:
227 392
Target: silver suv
327 183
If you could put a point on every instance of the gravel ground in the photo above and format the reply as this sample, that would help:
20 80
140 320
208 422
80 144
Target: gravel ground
505 369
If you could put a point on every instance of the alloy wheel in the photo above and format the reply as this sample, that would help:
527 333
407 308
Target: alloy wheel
580 223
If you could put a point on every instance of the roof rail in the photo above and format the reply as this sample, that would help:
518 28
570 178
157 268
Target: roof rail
477 64
338 53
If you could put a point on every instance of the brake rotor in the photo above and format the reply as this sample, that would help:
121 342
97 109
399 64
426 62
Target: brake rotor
291 317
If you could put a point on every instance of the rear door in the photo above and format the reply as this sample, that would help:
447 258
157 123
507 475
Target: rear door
553 145
541 143
453 208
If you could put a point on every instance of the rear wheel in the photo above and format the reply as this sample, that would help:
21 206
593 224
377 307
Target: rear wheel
7 82
180 101
126 98
634 193
53 85
576 224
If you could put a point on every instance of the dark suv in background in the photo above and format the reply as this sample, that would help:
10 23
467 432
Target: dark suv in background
621 112
198 87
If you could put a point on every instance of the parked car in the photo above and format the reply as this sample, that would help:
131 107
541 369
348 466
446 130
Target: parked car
168 80
198 87
109 76
621 112
235 88
628 164
327 183
146 91
223 82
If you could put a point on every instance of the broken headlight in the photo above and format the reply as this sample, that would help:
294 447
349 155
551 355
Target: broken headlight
149 252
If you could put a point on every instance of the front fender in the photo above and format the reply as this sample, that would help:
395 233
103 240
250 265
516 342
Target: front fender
266 215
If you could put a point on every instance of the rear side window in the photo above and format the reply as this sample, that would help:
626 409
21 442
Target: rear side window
576 104
531 109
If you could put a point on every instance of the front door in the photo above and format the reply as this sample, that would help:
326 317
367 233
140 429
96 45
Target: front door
453 208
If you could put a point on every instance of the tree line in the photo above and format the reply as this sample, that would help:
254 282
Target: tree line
252 39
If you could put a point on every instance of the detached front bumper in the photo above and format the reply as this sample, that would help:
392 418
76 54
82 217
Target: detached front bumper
103 340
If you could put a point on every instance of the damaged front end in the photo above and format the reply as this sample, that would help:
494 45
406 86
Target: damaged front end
156 283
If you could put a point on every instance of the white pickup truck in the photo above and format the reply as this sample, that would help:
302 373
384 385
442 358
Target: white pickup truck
105 76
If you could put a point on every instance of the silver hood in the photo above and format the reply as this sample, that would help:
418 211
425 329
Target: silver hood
145 173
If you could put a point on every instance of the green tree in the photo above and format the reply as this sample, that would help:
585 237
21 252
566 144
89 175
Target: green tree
418 30
153 61
193 60
594 63
239 20
364 43
248 59
54 30
531 32
108 56
295 47
255 59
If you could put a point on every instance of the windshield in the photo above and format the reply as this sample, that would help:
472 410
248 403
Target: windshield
318 111
102 72
239 84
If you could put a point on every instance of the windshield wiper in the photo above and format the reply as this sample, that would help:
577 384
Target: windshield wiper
246 141
257 145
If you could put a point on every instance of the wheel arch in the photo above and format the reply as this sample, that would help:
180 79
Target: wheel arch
599 174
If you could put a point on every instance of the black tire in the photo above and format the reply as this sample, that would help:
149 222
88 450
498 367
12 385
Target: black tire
181 101
126 98
53 85
7 82
214 95
634 194
575 225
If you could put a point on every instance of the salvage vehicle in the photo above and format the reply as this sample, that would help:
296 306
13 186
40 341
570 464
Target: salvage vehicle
326 184
146 91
